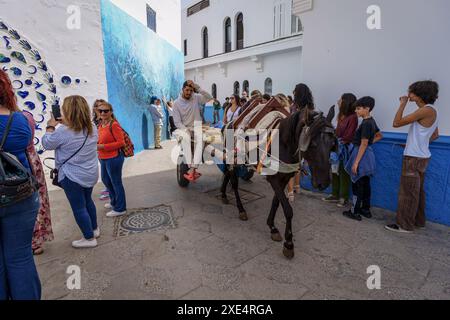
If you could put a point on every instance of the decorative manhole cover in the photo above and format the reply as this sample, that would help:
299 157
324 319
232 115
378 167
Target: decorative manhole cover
246 196
144 220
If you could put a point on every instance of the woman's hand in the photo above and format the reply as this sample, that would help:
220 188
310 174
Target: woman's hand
52 122
100 147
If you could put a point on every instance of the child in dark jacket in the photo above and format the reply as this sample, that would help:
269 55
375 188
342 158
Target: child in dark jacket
361 163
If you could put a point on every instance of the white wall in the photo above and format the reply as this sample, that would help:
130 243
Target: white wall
77 53
342 55
168 16
258 24
283 74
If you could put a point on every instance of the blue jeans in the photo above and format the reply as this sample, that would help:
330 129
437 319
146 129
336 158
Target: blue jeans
19 279
112 179
83 207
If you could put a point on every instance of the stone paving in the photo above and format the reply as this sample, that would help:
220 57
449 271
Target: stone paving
210 254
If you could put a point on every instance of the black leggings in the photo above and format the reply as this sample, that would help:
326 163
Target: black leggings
362 191
172 125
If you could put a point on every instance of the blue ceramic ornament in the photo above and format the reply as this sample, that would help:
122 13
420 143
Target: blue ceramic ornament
41 97
30 105
19 56
66 80
23 94
4 59
16 71
25 44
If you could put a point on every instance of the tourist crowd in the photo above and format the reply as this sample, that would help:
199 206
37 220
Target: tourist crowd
84 144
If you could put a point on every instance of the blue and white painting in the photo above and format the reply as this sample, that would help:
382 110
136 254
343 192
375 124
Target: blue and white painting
139 65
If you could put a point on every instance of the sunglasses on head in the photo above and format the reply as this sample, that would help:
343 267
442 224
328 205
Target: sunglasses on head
104 111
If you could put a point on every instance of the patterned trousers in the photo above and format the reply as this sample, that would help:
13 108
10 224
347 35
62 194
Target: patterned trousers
411 200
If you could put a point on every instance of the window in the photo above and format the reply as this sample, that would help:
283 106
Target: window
205 42
296 25
240 32
151 18
214 91
185 48
228 35
237 88
268 86
197 7
279 20
246 87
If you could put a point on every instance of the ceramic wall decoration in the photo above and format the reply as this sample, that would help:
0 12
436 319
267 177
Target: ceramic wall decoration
66 80
30 105
14 34
17 84
43 66
27 67
32 70
16 71
8 42
25 44
4 59
19 56
41 97
23 94
35 55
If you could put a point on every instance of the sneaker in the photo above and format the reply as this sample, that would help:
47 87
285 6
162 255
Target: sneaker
108 206
349 214
366 214
331 199
291 197
104 197
83 243
97 233
114 214
343 203
396 228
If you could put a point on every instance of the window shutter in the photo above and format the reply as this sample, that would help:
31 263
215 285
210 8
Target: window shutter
301 6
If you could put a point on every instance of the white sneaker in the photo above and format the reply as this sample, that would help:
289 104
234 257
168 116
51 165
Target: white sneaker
97 233
83 243
113 214
108 206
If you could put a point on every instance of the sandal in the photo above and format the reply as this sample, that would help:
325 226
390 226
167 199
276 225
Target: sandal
38 251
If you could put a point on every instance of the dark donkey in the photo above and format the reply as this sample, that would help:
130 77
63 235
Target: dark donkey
296 143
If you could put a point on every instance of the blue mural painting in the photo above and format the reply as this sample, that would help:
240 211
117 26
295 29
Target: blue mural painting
139 65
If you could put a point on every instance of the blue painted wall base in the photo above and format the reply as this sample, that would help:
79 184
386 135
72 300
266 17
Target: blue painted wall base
385 185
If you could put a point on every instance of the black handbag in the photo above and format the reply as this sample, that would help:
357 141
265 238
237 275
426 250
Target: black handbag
16 182
54 173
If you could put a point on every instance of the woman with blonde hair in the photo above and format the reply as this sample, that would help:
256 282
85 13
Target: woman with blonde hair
75 145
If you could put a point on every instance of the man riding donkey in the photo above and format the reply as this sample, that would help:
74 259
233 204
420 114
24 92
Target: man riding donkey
187 116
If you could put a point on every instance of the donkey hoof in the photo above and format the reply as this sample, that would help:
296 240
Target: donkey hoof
225 201
277 237
243 216
288 253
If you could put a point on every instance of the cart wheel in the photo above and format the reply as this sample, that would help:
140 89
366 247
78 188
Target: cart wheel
249 175
182 169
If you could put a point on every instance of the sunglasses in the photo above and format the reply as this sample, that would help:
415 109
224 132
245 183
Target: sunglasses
104 111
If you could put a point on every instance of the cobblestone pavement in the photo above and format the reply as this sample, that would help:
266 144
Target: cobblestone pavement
206 252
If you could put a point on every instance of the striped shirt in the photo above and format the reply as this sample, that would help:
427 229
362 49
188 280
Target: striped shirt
83 167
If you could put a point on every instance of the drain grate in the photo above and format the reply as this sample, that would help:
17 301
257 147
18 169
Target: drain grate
144 220
246 196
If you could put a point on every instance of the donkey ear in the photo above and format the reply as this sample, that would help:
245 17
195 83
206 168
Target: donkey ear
331 114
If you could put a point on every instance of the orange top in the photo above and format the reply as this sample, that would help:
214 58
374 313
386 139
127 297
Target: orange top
113 141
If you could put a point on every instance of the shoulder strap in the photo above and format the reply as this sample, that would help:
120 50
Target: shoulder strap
7 129
84 143
111 130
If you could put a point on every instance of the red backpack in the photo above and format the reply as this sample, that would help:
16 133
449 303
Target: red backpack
128 149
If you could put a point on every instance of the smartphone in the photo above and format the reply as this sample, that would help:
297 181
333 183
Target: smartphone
56 110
